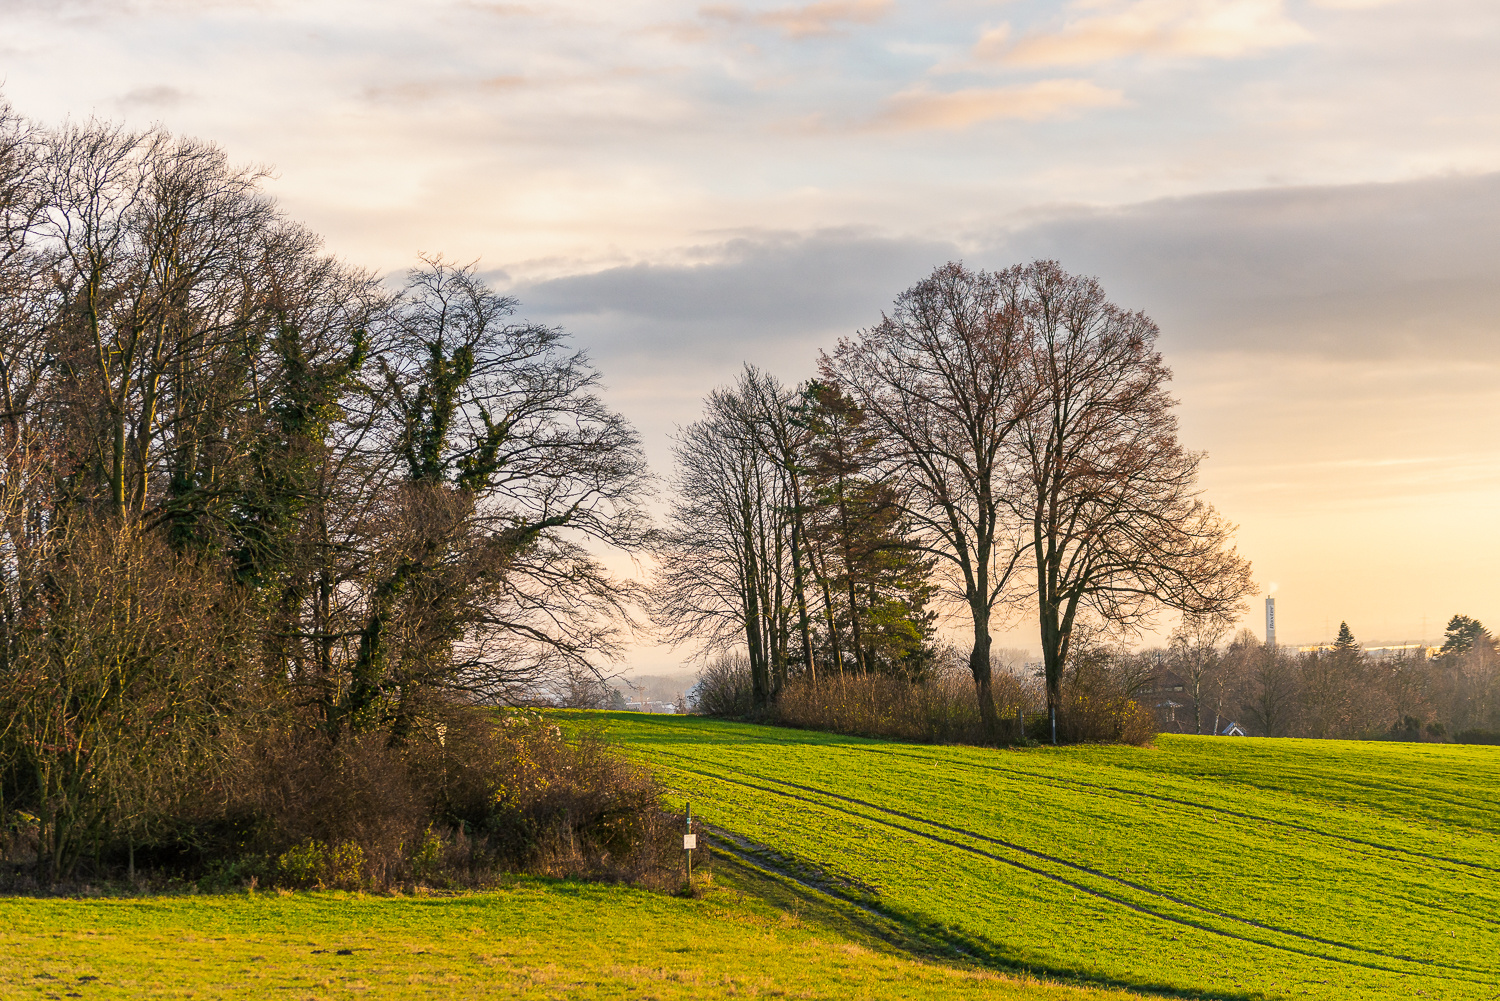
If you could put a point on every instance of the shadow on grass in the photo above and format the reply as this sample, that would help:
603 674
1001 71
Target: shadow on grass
855 911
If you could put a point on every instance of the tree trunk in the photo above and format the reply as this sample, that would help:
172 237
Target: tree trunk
804 624
1053 652
979 665
760 675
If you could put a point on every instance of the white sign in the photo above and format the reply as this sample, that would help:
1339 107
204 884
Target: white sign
689 842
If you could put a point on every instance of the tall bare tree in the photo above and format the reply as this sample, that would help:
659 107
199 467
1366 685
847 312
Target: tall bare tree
721 578
941 380
1108 497
508 465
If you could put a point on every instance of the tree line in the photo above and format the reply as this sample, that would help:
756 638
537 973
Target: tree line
1336 690
247 488
999 441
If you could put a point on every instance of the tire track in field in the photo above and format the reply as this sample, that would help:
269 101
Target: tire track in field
1427 967
761 856
1126 882
1128 794
1132 793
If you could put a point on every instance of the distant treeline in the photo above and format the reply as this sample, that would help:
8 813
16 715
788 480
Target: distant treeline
1197 685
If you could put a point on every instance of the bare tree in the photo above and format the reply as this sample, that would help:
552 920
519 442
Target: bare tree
507 466
941 381
156 234
1269 689
1194 651
783 441
720 580
1107 496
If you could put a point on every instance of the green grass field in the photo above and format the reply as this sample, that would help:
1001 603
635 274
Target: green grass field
856 869
538 939
1214 867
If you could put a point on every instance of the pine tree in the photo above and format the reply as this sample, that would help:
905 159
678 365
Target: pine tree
1462 635
1345 644
876 582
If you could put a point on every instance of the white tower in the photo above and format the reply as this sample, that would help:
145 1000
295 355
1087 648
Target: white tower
1271 622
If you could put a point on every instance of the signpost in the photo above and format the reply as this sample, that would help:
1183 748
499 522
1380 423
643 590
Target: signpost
689 842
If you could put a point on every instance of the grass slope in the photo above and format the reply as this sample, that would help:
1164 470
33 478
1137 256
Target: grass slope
539 939
1213 867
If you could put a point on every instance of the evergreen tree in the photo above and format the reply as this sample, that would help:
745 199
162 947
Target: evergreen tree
1462 635
876 580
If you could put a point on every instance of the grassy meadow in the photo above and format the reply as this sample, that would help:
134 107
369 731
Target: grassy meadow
1227 868
856 869
746 937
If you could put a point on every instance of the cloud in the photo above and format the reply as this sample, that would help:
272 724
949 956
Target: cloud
993 42
1362 271
160 96
427 90
503 9
753 288
809 20
924 109
1375 270
1112 29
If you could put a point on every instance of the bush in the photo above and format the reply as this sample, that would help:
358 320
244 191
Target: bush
1105 718
724 688
1097 698
941 709
1477 737
470 798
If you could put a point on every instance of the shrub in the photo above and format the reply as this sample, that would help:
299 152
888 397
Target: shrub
724 688
1097 699
485 794
1097 703
475 795
941 709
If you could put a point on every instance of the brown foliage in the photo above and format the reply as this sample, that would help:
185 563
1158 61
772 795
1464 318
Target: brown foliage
1098 703
477 796
942 710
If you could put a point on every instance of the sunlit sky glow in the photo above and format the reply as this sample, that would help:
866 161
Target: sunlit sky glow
1305 194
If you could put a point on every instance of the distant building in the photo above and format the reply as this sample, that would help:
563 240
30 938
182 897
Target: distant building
1166 693
652 706
1390 652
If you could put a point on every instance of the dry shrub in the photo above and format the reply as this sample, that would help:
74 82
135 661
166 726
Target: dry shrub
116 697
342 814
724 688
1111 719
474 795
1097 703
527 799
941 709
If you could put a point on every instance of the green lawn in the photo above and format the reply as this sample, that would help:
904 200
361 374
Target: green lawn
538 939
1230 867
864 869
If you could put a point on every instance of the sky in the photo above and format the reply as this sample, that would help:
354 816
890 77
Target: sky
1304 194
